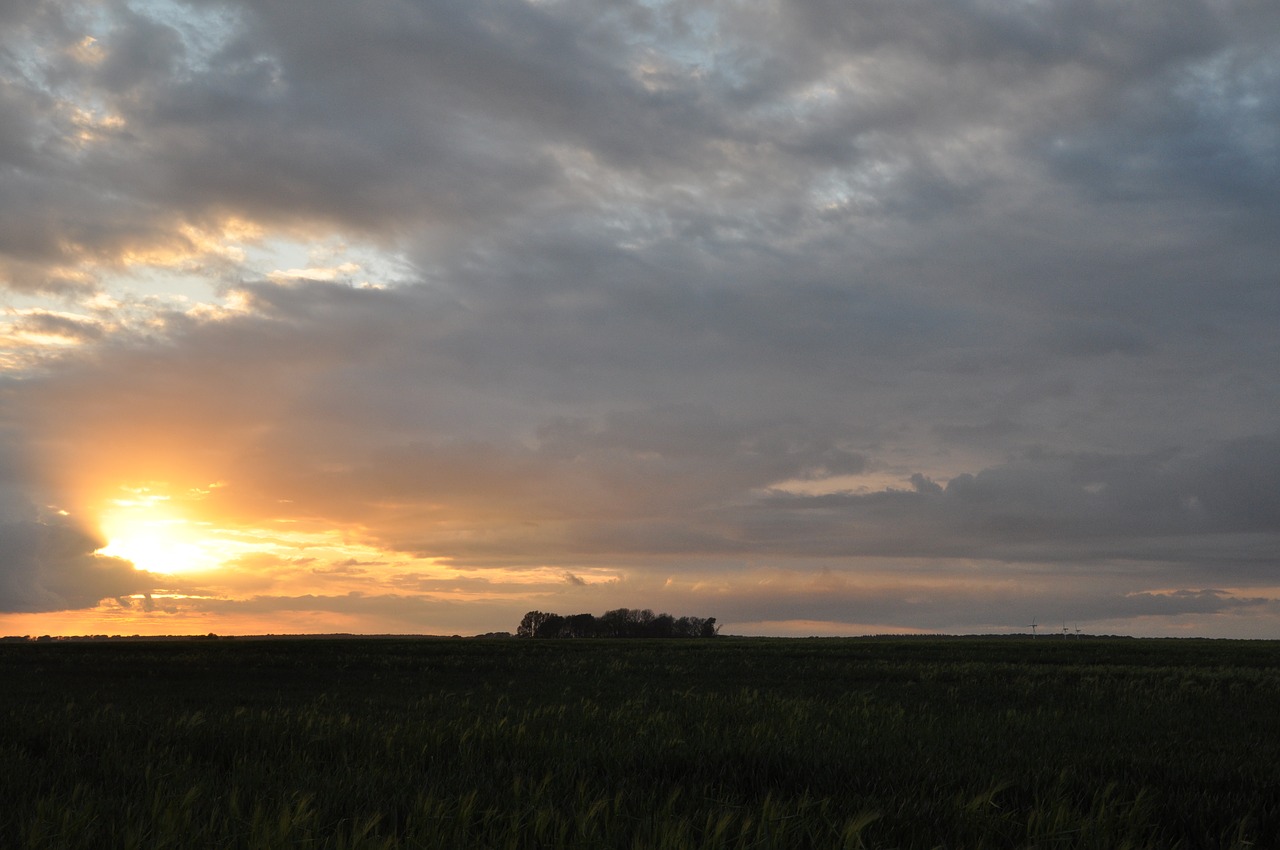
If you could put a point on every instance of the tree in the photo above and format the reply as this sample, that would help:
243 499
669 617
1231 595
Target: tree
531 623
620 622
614 623
579 626
661 626
550 627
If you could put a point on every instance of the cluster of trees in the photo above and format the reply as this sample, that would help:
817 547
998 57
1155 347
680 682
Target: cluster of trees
621 622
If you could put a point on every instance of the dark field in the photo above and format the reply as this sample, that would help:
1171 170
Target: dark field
646 744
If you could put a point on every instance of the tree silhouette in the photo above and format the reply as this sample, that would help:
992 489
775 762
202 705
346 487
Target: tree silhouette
620 622
531 623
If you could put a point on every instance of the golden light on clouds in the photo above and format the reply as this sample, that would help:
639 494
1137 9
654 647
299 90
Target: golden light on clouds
93 126
181 534
189 244
544 334
87 51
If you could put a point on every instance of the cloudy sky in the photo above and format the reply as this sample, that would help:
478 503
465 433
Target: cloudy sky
826 317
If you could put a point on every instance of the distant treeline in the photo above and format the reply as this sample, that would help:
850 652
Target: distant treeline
621 622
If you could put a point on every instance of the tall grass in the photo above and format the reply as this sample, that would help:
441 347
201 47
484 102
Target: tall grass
724 744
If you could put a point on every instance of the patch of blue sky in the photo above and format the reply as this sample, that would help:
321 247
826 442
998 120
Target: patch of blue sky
332 259
681 36
1237 91
205 30
183 285
32 58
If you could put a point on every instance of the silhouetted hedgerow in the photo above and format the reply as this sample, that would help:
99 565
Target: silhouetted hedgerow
620 622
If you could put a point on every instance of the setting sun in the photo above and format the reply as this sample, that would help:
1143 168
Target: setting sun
601 311
156 547
155 536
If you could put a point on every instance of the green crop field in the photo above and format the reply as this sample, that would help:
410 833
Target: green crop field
721 743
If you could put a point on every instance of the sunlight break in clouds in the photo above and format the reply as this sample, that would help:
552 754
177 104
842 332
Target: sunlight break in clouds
829 317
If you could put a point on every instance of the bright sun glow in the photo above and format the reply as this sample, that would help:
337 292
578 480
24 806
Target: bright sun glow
155 537
156 548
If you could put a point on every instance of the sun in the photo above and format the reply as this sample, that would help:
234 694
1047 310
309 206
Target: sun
155 536
156 548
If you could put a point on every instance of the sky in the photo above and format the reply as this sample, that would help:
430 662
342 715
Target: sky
822 318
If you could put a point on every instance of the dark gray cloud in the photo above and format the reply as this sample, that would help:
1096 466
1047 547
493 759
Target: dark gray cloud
679 279
47 562
48 566
1069 509
66 327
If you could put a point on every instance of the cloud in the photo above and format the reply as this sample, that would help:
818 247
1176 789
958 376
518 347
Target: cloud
70 329
51 567
465 117
1064 508
953 607
48 563
433 454
658 285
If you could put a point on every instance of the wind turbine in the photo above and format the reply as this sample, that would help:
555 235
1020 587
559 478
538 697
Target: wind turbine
1077 631
1064 631
1032 625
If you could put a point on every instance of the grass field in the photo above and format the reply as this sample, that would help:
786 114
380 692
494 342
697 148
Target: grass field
723 743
